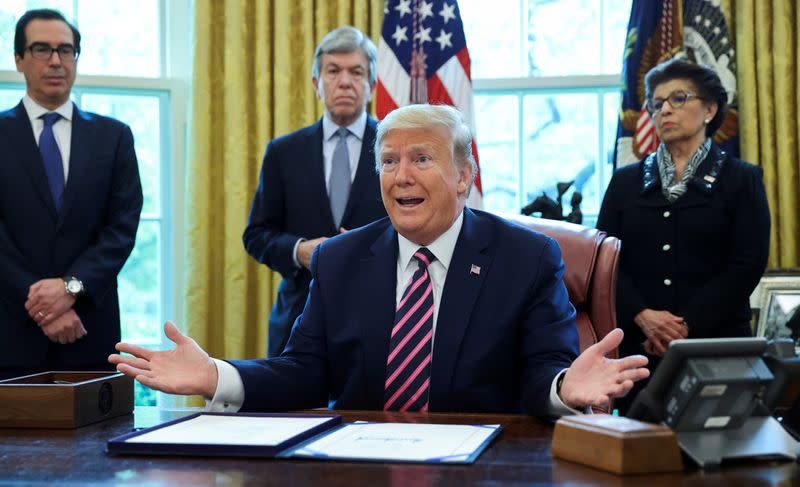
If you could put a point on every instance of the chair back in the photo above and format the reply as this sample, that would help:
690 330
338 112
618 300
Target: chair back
590 257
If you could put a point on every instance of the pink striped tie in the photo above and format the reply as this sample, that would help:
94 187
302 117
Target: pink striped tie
408 367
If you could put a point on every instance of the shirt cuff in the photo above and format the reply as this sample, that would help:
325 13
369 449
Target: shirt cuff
555 406
229 395
294 252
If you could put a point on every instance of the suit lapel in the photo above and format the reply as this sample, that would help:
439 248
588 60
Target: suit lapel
472 258
81 144
316 170
24 144
365 170
379 294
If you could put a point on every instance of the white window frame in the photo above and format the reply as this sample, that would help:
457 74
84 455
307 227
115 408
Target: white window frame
597 85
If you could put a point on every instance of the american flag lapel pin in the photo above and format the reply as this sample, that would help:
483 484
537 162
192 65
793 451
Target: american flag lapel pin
474 269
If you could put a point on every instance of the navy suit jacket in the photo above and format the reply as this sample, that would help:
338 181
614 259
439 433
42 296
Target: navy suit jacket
502 335
292 202
90 237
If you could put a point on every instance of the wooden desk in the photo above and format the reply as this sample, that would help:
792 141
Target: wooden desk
520 456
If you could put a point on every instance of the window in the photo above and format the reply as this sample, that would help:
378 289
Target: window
123 73
547 81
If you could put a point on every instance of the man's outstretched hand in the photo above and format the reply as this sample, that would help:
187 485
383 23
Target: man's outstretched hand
187 369
593 379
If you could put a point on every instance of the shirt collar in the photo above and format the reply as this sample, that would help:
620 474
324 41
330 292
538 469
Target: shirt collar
35 110
443 247
356 128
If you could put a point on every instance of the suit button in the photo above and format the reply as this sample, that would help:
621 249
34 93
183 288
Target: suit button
667 214
666 247
667 282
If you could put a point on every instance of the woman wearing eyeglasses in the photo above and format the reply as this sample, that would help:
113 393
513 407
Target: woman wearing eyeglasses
693 221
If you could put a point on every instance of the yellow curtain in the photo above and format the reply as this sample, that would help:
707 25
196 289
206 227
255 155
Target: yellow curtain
768 58
251 82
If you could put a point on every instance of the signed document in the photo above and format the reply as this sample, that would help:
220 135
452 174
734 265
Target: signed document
401 442
231 430
225 434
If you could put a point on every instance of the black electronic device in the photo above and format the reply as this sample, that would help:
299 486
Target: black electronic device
711 392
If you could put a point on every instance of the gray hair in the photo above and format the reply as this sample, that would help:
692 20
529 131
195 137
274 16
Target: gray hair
343 40
425 116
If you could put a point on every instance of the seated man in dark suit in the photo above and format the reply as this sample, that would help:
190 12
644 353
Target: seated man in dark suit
437 308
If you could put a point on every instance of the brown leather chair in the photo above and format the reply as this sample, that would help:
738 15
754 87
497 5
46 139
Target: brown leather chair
590 257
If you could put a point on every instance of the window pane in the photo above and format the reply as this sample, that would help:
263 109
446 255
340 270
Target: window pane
10 98
143 395
616 14
561 137
127 46
611 106
10 12
142 113
497 119
139 288
564 37
493 37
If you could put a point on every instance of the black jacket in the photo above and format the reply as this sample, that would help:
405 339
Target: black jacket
699 257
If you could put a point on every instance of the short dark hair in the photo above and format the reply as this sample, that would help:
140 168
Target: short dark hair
20 42
703 78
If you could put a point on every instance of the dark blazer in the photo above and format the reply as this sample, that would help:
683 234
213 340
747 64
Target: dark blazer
502 335
292 202
90 238
699 257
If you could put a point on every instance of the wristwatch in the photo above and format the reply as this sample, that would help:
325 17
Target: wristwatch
74 286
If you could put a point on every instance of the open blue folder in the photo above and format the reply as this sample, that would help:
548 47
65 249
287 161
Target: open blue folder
311 436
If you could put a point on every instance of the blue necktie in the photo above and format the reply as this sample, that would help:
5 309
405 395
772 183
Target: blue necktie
53 165
339 184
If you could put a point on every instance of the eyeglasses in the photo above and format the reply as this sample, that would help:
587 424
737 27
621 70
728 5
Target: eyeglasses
43 51
676 100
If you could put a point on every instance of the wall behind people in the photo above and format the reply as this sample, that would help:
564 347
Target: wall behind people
251 82
769 80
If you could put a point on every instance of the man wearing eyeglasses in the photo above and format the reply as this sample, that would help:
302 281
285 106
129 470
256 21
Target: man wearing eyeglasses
70 200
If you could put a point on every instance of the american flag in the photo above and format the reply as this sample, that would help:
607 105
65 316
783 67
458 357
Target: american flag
423 57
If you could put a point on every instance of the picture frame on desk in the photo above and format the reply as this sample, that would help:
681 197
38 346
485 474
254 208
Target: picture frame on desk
777 298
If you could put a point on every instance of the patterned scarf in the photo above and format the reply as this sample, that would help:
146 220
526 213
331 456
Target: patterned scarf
666 167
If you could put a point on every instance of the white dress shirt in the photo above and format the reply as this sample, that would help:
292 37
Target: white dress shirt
355 140
62 129
229 396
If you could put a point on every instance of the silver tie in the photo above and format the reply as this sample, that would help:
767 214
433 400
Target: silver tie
339 184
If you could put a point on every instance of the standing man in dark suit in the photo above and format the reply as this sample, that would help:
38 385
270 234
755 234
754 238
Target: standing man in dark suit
489 291
317 181
70 199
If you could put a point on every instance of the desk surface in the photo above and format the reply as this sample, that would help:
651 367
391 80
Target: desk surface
520 456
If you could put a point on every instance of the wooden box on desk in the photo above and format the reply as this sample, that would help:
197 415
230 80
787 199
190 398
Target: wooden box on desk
616 444
64 399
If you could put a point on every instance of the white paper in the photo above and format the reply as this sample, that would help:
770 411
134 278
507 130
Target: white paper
400 442
230 430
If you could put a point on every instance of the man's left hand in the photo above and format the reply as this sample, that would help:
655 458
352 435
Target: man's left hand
593 379
47 300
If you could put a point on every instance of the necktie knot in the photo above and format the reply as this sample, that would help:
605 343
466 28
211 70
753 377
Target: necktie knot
50 118
424 256
343 132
